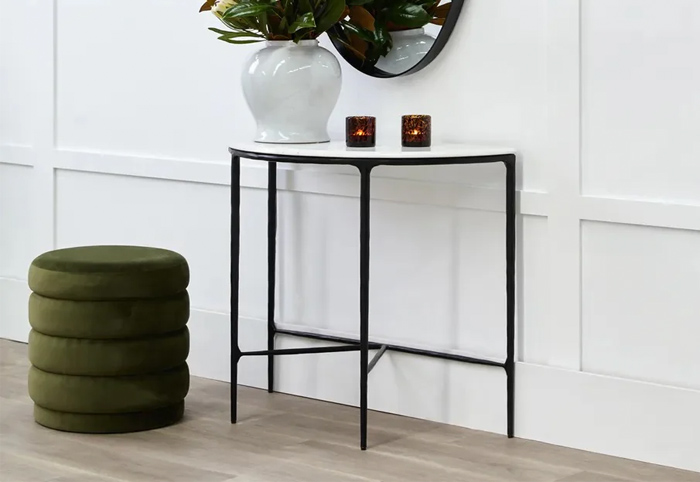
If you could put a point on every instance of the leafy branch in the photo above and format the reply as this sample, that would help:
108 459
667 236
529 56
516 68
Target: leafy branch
255 20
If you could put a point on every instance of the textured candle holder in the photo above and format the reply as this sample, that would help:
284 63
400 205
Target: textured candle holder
360 131
415 131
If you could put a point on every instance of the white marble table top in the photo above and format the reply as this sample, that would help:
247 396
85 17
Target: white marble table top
337 149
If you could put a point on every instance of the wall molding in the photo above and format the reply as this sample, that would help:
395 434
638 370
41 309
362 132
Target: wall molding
640 212
332 183
15 155
563 181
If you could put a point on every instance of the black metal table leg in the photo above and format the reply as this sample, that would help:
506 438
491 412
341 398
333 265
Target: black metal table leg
235 253
510 291
365 173
271 254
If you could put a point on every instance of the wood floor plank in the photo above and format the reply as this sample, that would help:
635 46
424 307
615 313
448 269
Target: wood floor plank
281 438
290 471
489 464
28 469
84 478
123 463
387 467
593 477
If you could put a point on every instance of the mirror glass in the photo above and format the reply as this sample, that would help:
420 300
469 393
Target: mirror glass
388 38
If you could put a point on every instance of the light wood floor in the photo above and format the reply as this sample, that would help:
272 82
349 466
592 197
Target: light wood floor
281 438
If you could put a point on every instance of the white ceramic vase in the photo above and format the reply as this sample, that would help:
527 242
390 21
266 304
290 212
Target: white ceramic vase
292 90
409 47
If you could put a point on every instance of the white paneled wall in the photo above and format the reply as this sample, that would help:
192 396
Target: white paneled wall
114 129
641 101
639 303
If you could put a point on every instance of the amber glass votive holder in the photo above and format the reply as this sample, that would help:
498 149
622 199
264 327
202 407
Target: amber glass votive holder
360 131
415 131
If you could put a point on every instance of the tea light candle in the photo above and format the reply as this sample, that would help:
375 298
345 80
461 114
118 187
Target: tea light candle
415 131
360 131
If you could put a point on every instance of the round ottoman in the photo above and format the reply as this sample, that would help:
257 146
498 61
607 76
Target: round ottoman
109 339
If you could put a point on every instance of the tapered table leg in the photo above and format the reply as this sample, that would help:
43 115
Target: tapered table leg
510 292
365 172
235 254
271 256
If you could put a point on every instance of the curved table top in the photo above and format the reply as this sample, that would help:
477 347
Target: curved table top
337 153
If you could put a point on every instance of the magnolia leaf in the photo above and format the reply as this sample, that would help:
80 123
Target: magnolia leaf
234 23
442 11
438 21
353 50
220 32
330 15
274 23
240 42
352 29
360 16
289 11
249 9
304 6
407 15
224 34
382 40
358 45
430 8
358 2
208 5
305 21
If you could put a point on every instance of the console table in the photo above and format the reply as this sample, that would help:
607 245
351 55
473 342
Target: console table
364 159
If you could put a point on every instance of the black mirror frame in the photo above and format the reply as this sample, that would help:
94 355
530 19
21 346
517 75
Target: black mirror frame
440 41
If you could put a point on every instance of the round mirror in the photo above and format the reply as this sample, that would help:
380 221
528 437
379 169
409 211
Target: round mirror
388 38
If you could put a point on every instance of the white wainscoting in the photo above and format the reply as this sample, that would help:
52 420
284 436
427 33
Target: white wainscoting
123 139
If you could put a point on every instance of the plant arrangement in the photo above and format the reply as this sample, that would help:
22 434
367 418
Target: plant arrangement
249 21
365 30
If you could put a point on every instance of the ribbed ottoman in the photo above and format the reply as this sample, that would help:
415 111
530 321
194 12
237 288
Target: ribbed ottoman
109 340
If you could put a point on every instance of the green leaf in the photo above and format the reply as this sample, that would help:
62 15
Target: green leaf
305 21
289 13
351 49
332 12
382 40
361 16
407 15
219 31
224 34
364 34
358 2
249 9
240 42
304 6
263 23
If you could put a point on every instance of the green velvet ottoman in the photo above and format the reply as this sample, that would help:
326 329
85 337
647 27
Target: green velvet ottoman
109 340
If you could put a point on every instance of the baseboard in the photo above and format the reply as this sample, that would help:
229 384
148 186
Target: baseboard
625 418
